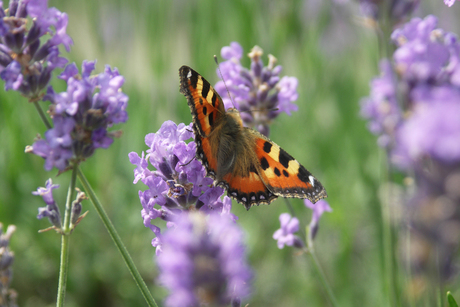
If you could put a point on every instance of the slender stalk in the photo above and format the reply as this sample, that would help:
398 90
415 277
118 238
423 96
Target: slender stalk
311 251
65 241
42 115
117 240
288 204
323 279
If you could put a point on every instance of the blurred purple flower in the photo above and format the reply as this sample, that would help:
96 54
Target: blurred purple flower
203 261
449 3
178 183
258 91
7 295
51 210
12 76
426 69
423 52
318 209
381 107
285 235
82 115
415 109
26 57
433 130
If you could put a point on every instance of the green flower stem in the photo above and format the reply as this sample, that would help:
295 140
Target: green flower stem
288 204
42 115
65 241
311 251
117 240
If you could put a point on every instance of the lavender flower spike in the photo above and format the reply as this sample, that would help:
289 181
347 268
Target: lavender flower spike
178 181
51 210
82 115
7 295
203 261
259 90
29 50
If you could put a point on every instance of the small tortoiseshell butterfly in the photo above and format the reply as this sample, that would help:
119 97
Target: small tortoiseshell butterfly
252 168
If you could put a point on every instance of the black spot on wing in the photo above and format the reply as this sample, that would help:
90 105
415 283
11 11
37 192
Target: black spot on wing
303 174
201 101
205 110
211 119
206 87
193 78
286 174
267 147
284 158
264 163
277 172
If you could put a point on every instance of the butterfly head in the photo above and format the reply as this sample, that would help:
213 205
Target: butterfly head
235 114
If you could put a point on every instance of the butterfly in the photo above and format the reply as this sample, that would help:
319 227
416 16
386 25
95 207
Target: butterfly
252 168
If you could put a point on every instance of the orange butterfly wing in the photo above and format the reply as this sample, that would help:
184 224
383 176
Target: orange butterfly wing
282 174
207 109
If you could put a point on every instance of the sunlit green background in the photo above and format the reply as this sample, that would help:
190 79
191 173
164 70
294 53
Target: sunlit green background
322 43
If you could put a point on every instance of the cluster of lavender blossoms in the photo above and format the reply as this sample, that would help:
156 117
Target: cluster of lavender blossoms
414 108
203 262
259 93
8 296
26 59
201 255
91 104
179 181
81 115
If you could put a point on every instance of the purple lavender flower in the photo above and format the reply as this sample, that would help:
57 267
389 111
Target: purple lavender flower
51 210
82 115
76 209
381 107
433 130
318 209
426 69
415 109
449 3
56 147
203 261
256 92
178 182
285 235
424 54
7 296
26 59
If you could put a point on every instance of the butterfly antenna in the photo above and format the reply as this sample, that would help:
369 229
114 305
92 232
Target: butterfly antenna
182 165
222 77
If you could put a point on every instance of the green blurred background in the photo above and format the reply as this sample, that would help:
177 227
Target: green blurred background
322 43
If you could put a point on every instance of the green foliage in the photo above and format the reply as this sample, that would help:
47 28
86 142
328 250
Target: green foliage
451 300
334 59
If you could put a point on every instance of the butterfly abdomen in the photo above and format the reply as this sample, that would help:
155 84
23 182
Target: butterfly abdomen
233 148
